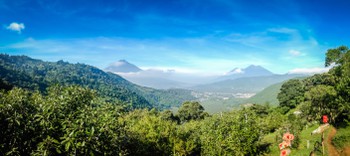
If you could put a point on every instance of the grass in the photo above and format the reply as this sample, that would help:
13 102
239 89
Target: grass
342 138
302 149
271 139
306 135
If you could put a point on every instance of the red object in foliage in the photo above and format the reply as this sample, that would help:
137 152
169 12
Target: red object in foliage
285 145
288 137
325 119
284 152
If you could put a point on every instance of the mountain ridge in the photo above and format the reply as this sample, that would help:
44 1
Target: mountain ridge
244 84
153 78
249 71
165 80
122 66
33 74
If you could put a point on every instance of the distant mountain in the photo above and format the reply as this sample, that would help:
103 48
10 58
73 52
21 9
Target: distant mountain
122 66
250 71
244 84
149 78
32 74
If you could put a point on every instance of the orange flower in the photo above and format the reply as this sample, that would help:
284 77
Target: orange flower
284 145
288 136
281 146
285 152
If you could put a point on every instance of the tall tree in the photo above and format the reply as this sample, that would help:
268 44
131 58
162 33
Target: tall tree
291 94
340 57
191 111
323 101
18 129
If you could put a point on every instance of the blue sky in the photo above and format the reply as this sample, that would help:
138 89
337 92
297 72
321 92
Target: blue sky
193 36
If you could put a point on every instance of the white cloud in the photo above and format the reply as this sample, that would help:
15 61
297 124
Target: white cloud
16 27
170 70
153 73
283 30
294 52
235 71
315 70
176 74
202 56
30 39
165 54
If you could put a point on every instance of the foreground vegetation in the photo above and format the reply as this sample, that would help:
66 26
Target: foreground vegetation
342 138
76 120
73 121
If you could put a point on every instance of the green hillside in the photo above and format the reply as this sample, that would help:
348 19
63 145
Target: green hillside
25 72
268 95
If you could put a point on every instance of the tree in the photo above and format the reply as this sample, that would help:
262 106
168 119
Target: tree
18 128
4 85
291 94
168 115
340 57
66 121
323 101
148 134
319 79
233 133
191 111
335 55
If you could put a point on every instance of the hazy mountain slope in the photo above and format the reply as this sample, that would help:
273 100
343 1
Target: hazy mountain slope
33 74
244 85
154 78
250 71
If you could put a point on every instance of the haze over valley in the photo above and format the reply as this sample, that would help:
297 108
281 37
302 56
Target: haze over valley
228 90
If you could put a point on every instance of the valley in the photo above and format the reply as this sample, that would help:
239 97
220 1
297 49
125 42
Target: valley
220 93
